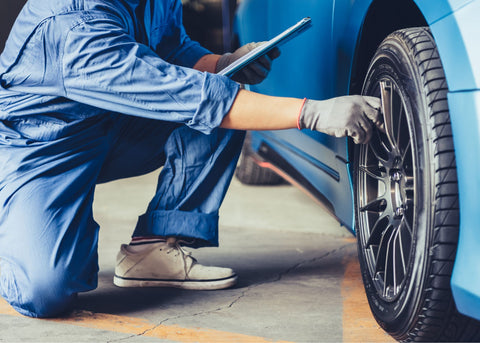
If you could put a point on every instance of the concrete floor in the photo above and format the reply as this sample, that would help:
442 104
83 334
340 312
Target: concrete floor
299 279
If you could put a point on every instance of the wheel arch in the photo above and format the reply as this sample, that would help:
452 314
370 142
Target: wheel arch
381 19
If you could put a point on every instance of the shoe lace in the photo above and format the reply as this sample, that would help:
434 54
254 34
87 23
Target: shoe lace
174 244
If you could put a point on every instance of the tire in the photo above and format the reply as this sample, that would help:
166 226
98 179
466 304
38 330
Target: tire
406 196
249 172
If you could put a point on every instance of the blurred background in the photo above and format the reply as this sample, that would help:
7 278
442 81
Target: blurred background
209 22
8 12
206 21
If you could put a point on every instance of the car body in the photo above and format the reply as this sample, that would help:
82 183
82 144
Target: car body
331 59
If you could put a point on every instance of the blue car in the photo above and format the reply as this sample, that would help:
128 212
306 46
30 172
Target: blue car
410 195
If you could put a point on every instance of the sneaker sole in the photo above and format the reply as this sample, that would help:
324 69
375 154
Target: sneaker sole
201 285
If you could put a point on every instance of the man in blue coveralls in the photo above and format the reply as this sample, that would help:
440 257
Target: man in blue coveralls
97 90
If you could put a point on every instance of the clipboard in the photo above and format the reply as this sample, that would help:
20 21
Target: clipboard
259 51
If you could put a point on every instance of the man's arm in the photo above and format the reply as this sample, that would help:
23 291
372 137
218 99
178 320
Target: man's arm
131 79
343 116
253 111
353 116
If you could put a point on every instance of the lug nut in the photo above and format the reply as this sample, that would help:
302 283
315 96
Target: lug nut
399 211
396 176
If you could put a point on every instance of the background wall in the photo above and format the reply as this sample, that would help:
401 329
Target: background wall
8 12
205 21
209 22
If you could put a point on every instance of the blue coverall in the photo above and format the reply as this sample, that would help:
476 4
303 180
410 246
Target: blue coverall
92 91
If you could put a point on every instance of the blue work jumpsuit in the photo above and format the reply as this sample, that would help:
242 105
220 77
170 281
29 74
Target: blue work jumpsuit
93 91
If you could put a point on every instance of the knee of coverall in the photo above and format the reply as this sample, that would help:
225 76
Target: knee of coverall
42 295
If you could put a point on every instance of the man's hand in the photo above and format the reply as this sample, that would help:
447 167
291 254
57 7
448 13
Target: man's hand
343 116
254 72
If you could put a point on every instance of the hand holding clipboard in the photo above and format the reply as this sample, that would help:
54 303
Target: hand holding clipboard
258 52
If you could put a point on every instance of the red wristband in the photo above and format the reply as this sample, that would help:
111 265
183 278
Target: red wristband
300 113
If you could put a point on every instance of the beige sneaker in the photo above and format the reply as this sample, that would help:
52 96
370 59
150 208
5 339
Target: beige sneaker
166 264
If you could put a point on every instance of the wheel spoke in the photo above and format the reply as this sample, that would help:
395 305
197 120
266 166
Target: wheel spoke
399 259
378 271
376 231
402 247
394 262
385 267
408 227
399 126
390 265
386 100
382 253
407 150
379 148
370 173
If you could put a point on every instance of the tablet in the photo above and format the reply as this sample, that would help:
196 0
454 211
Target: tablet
261 50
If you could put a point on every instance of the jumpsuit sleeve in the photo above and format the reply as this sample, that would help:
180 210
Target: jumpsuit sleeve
104 67
170 41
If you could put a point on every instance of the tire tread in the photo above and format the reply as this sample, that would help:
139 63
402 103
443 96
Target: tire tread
438 320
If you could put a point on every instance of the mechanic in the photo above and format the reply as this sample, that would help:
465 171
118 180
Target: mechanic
97 90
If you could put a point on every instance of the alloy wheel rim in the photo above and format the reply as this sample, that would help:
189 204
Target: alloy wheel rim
386 188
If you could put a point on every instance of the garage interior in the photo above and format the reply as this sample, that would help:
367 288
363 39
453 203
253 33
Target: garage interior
298 269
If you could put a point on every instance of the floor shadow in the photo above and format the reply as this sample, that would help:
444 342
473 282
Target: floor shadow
110 299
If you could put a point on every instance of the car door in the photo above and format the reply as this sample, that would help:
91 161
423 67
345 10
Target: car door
307 68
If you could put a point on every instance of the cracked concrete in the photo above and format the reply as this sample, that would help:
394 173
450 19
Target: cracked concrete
288 253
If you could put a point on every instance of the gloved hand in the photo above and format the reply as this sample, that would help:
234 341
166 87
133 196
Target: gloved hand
254 72
343 116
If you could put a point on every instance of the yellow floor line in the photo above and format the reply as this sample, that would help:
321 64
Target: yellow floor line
358 322
137 326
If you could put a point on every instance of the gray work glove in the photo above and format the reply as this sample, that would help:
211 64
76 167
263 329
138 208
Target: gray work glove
253 73
343 116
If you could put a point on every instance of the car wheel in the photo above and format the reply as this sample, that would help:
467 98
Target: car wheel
406 196
249 172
